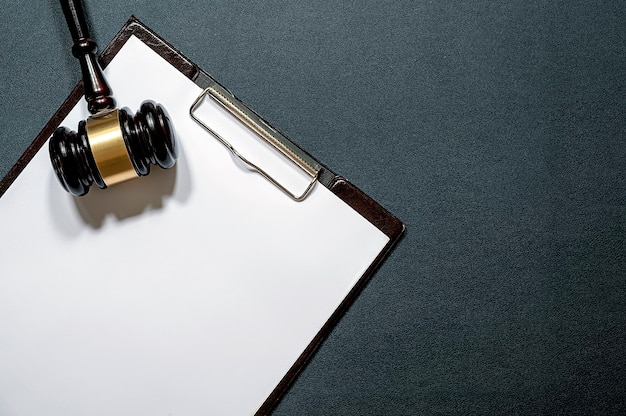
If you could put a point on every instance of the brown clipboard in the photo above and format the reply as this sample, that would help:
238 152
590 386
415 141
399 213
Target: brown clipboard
368 208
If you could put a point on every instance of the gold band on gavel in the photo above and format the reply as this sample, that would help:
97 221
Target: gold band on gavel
108 147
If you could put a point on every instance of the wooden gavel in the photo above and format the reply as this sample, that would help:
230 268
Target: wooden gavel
112 145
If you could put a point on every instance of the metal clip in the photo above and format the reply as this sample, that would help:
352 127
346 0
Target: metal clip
270 136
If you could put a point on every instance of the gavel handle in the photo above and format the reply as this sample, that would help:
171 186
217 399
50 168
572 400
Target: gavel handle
97 91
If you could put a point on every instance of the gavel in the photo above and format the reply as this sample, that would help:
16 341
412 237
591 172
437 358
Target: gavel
112 145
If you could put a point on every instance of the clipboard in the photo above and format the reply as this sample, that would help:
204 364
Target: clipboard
125 295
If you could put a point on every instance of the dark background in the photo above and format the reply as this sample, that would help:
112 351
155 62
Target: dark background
494 130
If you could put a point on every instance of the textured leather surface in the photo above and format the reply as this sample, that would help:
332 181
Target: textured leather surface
494 130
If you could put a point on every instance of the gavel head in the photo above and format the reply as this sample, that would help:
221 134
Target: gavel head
112 146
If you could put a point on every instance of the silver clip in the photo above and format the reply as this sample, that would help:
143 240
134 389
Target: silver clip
256 124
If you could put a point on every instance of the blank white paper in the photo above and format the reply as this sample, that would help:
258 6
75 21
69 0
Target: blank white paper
191 291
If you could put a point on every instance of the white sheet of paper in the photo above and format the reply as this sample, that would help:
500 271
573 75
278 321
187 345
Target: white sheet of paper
191 291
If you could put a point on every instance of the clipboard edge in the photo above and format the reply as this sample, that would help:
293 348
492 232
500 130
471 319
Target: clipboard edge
30 152
382 219
365 205
134 27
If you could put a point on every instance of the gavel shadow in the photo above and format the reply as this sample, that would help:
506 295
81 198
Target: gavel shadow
127 199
